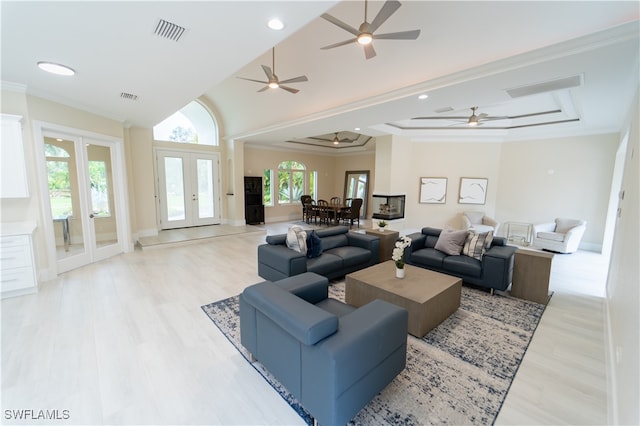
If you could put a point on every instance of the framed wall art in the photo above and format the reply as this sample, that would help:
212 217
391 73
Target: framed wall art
433 190
473 190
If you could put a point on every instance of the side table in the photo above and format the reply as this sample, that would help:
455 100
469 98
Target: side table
531 274
520 233
388 240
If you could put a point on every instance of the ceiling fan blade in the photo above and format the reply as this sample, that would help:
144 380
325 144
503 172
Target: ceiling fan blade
342 43
339 23
402 35
289 89
267 71
251 79
444 117
295 80
369 51
482 115
320 139
345 140
264 88
387 10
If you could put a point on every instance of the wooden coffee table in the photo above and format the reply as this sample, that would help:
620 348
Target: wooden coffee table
429 297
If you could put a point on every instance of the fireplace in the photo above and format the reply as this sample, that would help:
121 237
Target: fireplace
388 207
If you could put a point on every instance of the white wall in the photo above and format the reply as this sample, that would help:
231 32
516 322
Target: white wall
452 161
532 181
623 296
569 177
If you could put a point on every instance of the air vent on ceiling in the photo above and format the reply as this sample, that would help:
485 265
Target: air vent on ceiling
169 30
129 96
547 86
443 110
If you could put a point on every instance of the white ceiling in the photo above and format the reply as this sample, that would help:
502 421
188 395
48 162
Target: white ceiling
467 54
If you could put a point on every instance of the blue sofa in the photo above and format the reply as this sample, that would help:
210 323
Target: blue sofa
343 252
332 357
494 271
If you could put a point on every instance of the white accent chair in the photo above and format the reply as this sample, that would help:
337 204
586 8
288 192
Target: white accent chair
562 236
479 222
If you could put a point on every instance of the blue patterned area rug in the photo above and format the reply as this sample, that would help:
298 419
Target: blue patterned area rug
459 373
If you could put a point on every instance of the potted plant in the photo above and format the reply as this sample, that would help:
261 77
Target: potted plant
381 225
398 255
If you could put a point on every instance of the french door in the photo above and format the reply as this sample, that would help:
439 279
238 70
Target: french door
188 188
84 195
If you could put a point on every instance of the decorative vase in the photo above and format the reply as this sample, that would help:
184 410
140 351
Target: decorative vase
399 272
381 229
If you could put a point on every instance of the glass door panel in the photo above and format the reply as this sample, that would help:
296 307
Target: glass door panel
205 188
64 196
101 199
174 189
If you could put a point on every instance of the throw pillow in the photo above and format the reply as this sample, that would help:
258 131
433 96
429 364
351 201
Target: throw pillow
314 245
451 242
488 240
297 239
475 244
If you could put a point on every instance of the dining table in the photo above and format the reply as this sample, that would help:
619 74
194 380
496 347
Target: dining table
336 208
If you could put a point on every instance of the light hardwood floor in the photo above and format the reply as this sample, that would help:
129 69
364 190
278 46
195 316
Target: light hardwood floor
124 341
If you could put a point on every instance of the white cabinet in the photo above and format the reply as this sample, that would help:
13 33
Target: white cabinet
17 266
13 170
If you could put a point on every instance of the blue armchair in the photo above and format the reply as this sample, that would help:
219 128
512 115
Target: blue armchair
332 357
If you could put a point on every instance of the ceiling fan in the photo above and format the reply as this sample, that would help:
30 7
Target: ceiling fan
365 33
273 81
472 120
335 140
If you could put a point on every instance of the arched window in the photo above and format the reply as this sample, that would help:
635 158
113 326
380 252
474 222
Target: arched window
192 124
290 181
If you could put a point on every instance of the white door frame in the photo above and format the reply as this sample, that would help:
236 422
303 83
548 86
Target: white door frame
188 222
121 208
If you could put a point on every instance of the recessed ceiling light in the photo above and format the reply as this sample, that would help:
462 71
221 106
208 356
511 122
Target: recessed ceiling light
423 96
275 24
357 129
54 68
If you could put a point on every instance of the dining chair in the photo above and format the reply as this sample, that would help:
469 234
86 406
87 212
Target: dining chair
304 200
324 212
335 201
353 214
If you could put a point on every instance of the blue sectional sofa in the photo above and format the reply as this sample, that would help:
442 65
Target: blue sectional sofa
343 252
332 357
494 271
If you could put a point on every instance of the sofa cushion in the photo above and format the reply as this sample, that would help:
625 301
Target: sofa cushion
334 241
351 255
278 239
325 264
314 245
462 265
474 217
553 236
476 243
564 225
335 307
428 257
451 242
